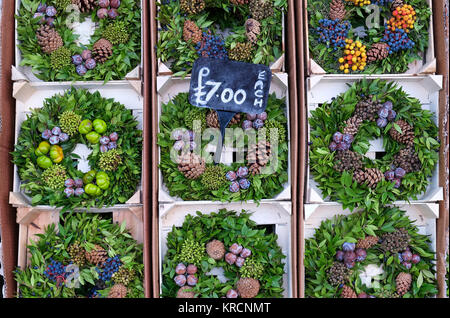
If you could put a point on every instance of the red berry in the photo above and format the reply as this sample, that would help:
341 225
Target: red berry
191 269
230 258
235 248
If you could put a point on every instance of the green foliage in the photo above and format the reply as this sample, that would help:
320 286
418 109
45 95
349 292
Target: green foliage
329 118
320 251
88 229
91 106
60 58
228 227
60 5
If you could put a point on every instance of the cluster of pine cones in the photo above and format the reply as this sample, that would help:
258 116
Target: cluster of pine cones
396 241
78 255
408 159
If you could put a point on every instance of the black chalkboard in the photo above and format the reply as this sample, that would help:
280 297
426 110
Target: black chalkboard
230 86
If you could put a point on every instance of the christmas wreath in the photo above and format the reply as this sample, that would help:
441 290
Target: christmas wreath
241 30
340 134
369 255
223 254
86 257
339 41
190 173
48 166
54 50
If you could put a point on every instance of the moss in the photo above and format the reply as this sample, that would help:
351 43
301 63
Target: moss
60 58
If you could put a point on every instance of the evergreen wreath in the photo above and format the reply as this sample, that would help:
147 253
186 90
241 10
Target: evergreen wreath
343 247
194 178
338 40
250 258
109 261
47 165
242 30
340 134
49 46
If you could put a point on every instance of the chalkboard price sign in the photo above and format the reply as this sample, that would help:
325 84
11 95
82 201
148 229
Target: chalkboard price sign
230 86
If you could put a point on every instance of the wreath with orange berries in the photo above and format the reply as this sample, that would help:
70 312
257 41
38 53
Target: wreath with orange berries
368 36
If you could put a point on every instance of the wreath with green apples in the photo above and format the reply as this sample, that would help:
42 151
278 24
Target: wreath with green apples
243 30
113 51
340 138
240 181
251 259
48 167
85 256
342 249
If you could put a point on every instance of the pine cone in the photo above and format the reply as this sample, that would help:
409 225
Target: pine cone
367 242
359 176
212 119
252 29
367 109
248 287
261 9
352 125
338 274
407 134
395 242
85 5
118 291
97 256
377 52
258 154
408 159
191 32
403 283
337 10
102 50
373 176
347 160
348 292
215 249
239 2
395 4
191 165
48 39
192 6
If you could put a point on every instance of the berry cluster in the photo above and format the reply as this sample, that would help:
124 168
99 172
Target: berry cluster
186 275
83 62
403 17
385 114
254 120
397 40
360 3
109 267
243 183
46 13
407 258
354 58
56 271
395 175
212 46
108 9
349 255
108 142
341 141
73 187
55 136
237 255
183 137
333 32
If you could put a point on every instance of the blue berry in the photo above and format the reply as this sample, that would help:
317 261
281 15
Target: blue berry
258 123
244 184
348 247
392 115
77 59
400 172
338 137
242 172
81 69
234 187
231 176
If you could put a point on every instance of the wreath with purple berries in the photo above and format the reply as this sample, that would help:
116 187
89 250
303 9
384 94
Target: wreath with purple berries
341 131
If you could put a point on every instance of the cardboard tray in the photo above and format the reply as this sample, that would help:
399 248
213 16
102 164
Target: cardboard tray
169 87
22 73
426 66
424 87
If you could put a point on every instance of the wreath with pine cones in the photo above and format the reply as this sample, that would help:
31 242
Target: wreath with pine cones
340 137
47 162
49 45
340 42
187 165
241 30
222 254
86 256
369 255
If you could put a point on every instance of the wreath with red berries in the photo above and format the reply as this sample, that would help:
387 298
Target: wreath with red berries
340 42
369 255
341 131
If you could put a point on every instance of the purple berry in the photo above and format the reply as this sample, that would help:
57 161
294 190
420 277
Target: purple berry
77 59
349 256
54 140
415 259
102 13
78 183
348 247
400 257
342 146
262 116
338 137
41 15
349 264
180 280
104 140
180 269
258 123
50 21
192 145
235 248
244 184
112 13
245 253
407 256
63 137
56 131
192 280
400 172
333 146
41 7
242 172
50 11
103 148
231 176
90 64
112 145
69 192
392 115
383 112
230 258
103 3
191 269
389 175
363 295
234 187
113 136
240 261
347 138
340 256
407 265
382 122
86 54
361 254
232 294
251 117
79 192
388 105
81 69
398 183
247 124
178 145
114 3
69 183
